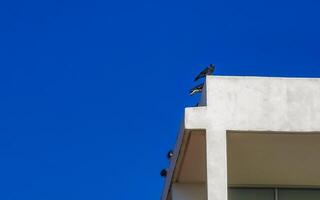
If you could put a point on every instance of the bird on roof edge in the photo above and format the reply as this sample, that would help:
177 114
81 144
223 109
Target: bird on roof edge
170 154
207 71
163 173
196 89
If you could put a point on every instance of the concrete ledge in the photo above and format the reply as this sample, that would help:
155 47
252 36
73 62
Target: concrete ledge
247 104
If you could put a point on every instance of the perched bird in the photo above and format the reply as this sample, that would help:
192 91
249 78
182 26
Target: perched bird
196 89
163 173
170 154
207 71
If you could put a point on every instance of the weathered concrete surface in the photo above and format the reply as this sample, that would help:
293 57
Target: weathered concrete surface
249 104
255 103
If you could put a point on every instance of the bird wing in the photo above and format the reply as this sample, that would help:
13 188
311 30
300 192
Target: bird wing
207 71
196 89
199 87
201 75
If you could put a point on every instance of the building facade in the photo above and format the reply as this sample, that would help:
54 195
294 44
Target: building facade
250 138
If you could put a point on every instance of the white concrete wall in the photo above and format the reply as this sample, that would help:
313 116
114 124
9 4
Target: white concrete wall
250 103
188 191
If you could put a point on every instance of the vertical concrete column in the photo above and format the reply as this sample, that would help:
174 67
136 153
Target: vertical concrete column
217 186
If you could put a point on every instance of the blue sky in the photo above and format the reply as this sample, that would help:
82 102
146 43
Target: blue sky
92 92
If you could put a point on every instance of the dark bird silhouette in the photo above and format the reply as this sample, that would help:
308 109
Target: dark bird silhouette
170 154
196 89
207 71
163 173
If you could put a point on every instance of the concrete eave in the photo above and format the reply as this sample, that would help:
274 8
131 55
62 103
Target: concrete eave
190 122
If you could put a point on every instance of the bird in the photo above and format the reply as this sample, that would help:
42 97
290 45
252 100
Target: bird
207 71
170 154
196 89
163 173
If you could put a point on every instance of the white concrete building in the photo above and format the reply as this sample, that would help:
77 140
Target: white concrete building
251 138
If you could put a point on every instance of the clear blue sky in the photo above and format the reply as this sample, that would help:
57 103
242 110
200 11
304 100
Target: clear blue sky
92 92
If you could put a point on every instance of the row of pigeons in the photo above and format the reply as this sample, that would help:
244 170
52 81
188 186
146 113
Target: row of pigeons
207 71
164 172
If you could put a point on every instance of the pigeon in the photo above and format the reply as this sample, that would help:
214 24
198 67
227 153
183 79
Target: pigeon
207 71
196 89
170 154
163 173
